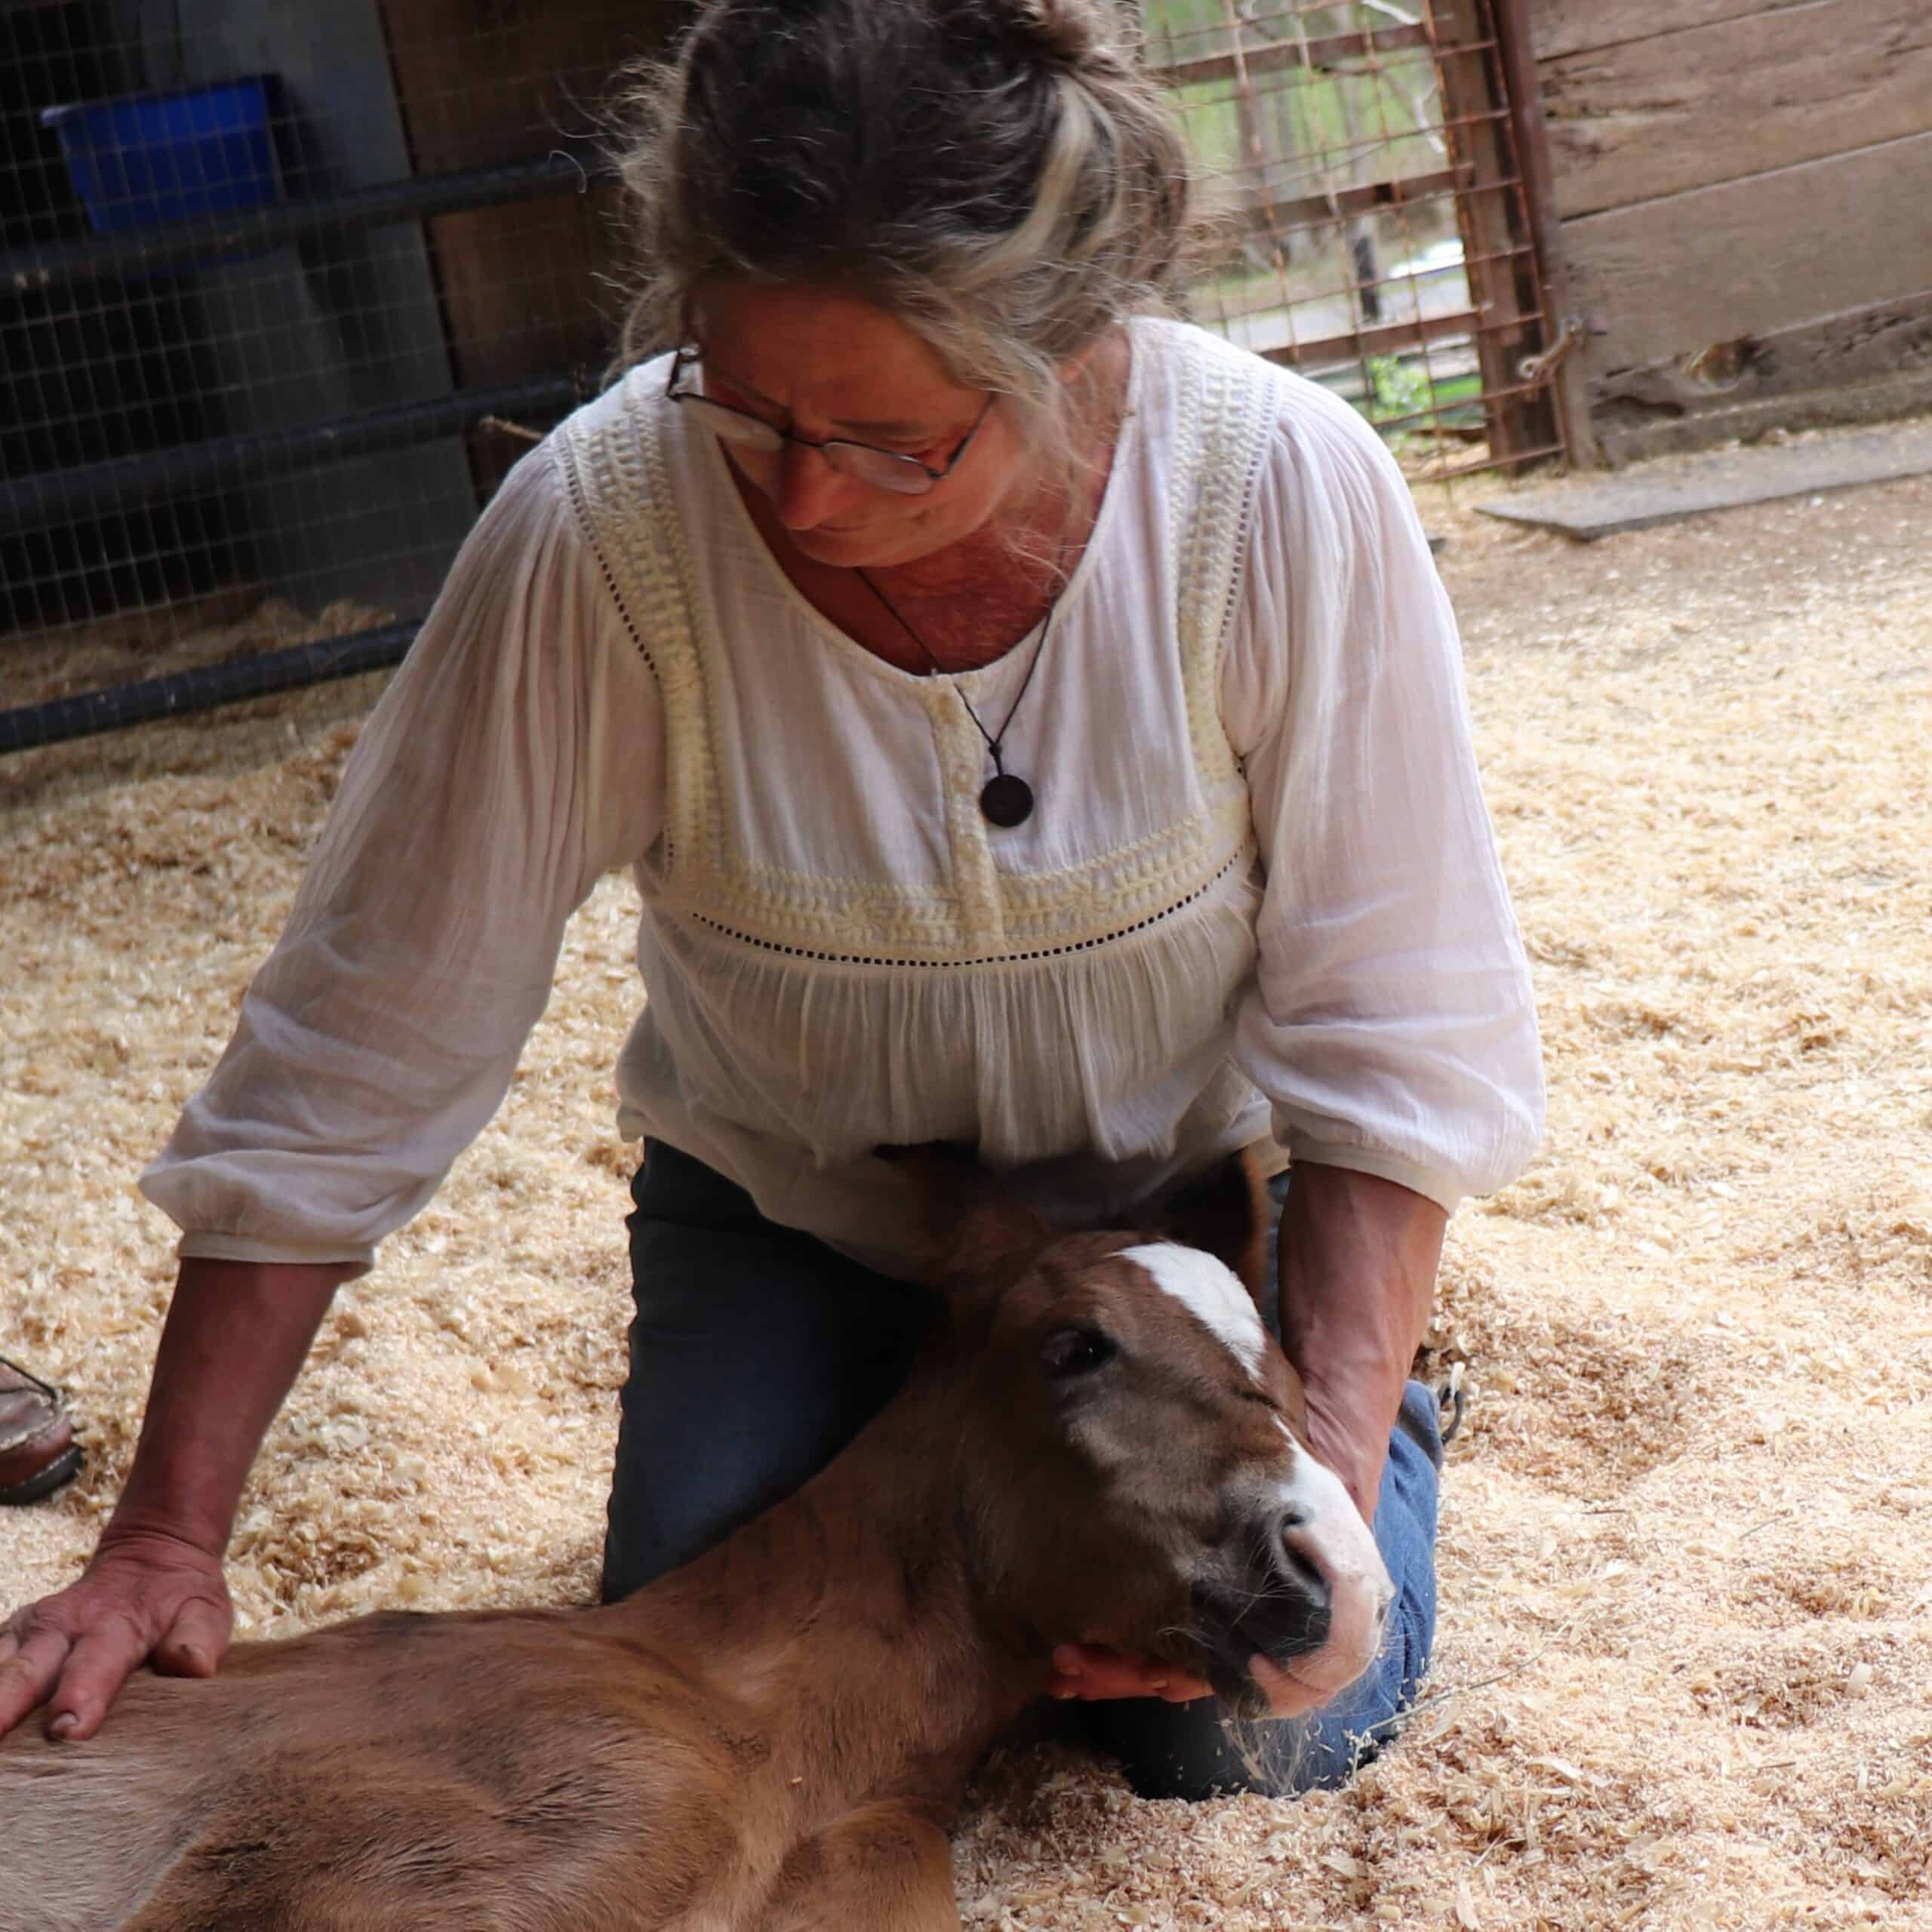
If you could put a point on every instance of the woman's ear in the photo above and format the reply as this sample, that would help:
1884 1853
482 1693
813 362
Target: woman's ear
976 1233
1225 1211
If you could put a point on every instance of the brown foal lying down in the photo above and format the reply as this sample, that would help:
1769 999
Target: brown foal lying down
1101 1445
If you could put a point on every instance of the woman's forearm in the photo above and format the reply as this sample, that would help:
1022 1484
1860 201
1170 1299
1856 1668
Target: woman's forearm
235 1339
1359 1256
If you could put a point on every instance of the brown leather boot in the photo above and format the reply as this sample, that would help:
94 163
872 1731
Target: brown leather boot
37 1452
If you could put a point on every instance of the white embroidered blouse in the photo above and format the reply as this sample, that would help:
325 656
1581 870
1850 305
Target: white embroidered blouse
1259 891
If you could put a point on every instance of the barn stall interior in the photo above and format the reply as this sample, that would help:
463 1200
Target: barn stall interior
285 293
1683 1669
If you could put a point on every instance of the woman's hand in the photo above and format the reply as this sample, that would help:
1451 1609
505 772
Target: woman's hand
235 1335
147 1596
1091 1671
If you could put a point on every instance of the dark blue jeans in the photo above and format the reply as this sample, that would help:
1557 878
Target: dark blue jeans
757 1353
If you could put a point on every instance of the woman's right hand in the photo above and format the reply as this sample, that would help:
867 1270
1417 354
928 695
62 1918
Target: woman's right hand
146 1597
154 1592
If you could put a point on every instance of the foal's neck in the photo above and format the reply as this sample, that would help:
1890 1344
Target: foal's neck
845 1625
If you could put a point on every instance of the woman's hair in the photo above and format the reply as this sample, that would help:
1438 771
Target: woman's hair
999 175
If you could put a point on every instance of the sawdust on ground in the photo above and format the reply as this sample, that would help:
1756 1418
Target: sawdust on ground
1684 1673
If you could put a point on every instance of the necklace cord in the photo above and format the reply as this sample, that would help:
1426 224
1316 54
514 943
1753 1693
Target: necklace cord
993 741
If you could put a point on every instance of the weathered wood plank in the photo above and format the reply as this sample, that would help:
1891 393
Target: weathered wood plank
1672 277
1884 399
1574 26
1735 98
1855 346
524 288
1859 366
1595 507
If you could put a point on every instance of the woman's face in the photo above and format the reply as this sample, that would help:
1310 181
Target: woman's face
823 364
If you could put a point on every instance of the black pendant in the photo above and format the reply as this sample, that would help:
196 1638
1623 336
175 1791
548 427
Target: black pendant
1006 800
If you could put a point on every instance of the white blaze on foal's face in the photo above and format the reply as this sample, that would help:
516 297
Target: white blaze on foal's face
1333 1538
1211 1292
1323 1528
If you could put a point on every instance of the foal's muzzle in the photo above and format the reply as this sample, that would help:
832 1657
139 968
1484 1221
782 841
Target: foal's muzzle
1280 1609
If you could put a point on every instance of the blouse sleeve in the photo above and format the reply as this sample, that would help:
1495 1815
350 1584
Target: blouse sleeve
1389 1020
516 756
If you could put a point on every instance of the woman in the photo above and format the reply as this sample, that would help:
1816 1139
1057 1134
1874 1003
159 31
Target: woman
1031 722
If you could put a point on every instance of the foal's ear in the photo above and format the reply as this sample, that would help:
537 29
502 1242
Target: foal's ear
1225 1211
976 1231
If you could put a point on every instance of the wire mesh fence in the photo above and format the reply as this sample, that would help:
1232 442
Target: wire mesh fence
1381 239
285 290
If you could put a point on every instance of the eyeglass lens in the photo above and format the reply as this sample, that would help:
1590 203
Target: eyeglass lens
882 468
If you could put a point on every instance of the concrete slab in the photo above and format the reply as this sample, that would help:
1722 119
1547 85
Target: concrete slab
1589 506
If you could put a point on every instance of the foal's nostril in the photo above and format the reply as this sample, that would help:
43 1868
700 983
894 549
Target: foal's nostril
1286 1608
1294 1569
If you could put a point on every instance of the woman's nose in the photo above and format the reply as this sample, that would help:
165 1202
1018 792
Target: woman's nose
807 489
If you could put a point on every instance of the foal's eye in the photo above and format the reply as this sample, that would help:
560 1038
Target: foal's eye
1071 1352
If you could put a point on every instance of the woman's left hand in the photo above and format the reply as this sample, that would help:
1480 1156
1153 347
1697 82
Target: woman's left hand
1091 1671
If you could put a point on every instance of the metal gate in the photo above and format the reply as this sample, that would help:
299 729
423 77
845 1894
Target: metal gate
278 305
1383 191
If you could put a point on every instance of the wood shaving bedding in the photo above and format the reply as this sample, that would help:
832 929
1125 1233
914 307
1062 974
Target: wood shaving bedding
1684 1670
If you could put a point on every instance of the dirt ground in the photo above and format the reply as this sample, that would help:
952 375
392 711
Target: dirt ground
1685 1676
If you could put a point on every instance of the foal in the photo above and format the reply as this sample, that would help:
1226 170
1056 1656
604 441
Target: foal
1100 1444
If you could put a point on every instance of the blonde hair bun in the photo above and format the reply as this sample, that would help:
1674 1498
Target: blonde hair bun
999 174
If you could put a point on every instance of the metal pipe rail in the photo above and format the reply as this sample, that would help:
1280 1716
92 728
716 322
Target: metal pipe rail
182 692
178 244
187 469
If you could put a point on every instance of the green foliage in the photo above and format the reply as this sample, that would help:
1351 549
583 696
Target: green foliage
1396 387
1399 396
1359 120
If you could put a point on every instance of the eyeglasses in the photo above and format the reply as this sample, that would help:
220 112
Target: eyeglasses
884 469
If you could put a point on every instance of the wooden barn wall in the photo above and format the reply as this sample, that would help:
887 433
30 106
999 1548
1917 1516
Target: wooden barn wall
1745 190
527 289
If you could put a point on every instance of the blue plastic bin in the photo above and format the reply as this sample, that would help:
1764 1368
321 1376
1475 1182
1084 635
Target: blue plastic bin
144 158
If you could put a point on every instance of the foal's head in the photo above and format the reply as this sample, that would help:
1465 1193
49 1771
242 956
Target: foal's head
1133 1462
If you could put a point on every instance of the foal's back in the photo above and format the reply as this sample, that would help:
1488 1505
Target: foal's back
499 1769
